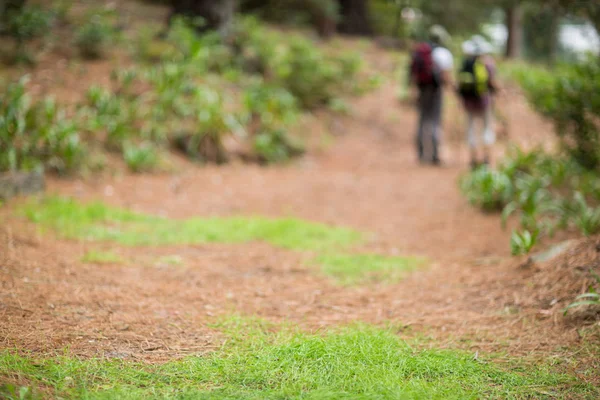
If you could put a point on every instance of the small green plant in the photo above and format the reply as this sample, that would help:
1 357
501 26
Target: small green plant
212 124
522 242
141 157
273 146
587 218
29 23
487 189
591 298
93 37
37 134
14 392
586 299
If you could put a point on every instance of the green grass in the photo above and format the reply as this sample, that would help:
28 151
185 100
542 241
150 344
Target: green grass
358 362
101 257
352 269
97 221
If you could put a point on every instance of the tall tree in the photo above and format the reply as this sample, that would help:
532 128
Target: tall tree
514 25
355 18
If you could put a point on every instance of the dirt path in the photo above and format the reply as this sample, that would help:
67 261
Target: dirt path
367 180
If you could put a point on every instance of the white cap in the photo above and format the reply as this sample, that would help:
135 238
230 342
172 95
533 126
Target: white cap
481 46
469 48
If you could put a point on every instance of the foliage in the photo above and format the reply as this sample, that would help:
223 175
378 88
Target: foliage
36 134
570 96
184 98
488 189
29 23
141 157
259 361
271 110
522 242
93 36
13 392
547 192
276 145
591 298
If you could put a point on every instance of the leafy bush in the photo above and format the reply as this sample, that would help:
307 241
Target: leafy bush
488 189
276 146
547 193
29 23
570 96
93 37
211 124
34 134
141 158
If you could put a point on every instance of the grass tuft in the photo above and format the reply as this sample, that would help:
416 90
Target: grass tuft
353 269
358 362
101 257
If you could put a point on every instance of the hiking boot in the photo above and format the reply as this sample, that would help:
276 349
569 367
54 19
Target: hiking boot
474 165
436 161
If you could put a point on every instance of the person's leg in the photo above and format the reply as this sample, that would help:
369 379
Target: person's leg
424 105
436 120
489 135
471 138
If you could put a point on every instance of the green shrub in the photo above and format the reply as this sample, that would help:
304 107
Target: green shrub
274 146
547 192
488 189
93 36
29 23
570 97
141 157
212 123
591 298
36 134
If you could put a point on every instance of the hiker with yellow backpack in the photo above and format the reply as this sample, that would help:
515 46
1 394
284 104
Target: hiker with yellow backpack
476 87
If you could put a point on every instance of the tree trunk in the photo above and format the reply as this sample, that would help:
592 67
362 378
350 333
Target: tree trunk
217 14
355 18
514 26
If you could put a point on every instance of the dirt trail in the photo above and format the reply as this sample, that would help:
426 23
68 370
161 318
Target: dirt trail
368 180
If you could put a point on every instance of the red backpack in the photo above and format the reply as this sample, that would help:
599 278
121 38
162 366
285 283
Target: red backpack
422 65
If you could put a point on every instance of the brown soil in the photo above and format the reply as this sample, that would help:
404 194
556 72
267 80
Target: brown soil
471 295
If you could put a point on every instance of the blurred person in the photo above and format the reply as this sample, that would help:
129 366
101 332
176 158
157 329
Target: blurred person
431 70
476 87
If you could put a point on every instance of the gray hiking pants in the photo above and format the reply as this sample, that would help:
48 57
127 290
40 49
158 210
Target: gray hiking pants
430 117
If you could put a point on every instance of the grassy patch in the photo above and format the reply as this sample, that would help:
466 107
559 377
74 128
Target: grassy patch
351 269
101 257
97 221
169 261
357 362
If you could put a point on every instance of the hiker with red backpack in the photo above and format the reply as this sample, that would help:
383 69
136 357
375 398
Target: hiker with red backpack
477 86
430 71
